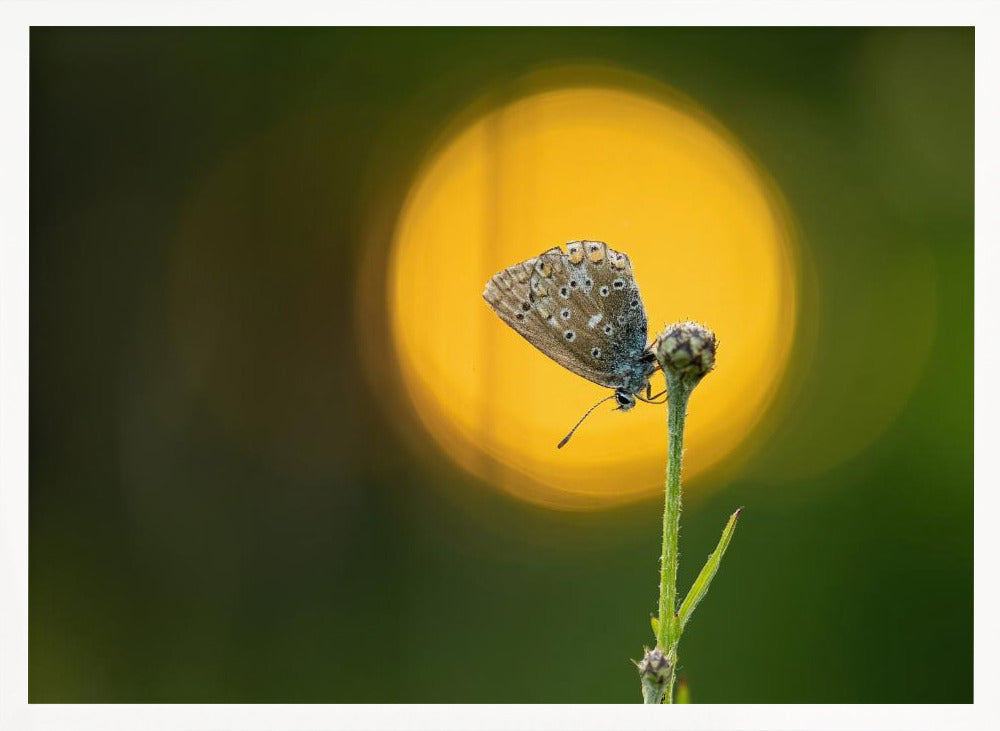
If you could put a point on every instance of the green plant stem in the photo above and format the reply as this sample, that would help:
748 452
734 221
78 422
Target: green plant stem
668 695
669 628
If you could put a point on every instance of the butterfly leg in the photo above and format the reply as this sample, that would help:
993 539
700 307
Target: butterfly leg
652 399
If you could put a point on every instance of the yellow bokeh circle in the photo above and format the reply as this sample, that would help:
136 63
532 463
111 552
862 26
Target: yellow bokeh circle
650 175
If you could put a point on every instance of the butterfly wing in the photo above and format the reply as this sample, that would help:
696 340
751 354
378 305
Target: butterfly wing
580 307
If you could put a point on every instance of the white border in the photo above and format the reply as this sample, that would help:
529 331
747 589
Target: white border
488 717
15 713
501 12
987 365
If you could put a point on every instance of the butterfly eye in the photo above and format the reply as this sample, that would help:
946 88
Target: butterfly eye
622 399
569 335
605 291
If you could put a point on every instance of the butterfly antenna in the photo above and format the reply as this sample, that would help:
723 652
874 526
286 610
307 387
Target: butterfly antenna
571 431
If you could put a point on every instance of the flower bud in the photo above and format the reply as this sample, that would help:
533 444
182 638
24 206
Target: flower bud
655 667
686 351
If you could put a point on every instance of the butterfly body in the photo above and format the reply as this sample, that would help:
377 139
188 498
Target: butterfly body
581 308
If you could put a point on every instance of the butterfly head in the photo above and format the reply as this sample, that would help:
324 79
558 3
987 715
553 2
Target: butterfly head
625 400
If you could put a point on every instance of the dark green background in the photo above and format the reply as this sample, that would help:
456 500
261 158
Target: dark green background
294 549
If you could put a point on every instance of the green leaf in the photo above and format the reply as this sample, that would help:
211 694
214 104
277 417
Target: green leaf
656 625
700 587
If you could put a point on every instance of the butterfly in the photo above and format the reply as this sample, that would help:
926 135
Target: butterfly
581 308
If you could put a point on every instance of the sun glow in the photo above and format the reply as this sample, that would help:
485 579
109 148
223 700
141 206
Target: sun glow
651 176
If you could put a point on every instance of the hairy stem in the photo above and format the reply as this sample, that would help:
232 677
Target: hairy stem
669 629
686 354
668 696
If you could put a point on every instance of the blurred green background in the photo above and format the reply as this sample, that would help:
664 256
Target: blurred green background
222 510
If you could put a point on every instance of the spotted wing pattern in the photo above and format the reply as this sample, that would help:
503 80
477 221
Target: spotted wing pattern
580 307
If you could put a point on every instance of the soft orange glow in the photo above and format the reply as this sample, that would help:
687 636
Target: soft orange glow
651 177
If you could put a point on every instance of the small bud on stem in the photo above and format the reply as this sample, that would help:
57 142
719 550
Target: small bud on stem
656 672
